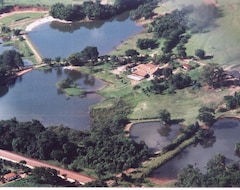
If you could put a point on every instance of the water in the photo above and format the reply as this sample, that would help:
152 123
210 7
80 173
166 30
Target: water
154 134
35 96
3 48
226 132
60 39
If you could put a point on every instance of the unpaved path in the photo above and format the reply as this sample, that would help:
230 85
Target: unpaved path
37 163
33 49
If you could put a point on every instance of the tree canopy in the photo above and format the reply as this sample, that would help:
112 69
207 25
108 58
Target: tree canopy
219 174
10 60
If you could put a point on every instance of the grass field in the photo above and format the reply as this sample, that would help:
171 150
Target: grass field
45 2
21 20
223 40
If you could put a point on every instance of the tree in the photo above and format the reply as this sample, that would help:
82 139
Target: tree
45 175
237 149
206 115
147 43
190 177
213 75
165 116
180 80
131 52
89 53
167 72
200 53
75 59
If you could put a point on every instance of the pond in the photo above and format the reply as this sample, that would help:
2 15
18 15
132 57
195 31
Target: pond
226 134
154 134
3 48
35 96
55 39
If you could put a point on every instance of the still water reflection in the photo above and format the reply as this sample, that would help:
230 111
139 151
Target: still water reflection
60 39
226 132
35 96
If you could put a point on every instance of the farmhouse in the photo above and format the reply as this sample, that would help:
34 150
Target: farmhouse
187 67
10 176
142 71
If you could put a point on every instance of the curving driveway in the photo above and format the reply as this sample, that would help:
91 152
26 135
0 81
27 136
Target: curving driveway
70 175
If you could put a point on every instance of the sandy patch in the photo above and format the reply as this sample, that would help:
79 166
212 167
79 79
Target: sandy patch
38 22
162 181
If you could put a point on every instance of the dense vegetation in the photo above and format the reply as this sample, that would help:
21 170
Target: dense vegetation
104 148
232 102
219 173
93 10
10 62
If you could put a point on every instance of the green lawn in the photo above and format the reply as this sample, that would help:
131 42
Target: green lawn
45 2
21 20
223 40
40 2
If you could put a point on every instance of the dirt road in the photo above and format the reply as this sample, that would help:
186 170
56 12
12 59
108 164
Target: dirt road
72 176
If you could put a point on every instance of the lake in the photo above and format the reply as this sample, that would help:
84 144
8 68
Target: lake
35 96
226 132
61 39
154 134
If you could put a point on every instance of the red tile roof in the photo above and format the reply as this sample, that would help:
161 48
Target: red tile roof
145 69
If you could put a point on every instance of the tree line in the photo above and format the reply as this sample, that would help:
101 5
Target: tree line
93 10
104 148
219 173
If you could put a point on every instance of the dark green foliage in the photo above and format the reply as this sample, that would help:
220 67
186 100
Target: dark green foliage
95 184
180 81
214 76
75 59
170 82
5 29
107 150
89 53
200 53
17 32
165 116
237 149
93 10
232 102
32 139
111 154
219 174
131 52
97 11
104 148
60 11
65 83
125 5
206 115
9 61
144 11
147 43
42 175
190 177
